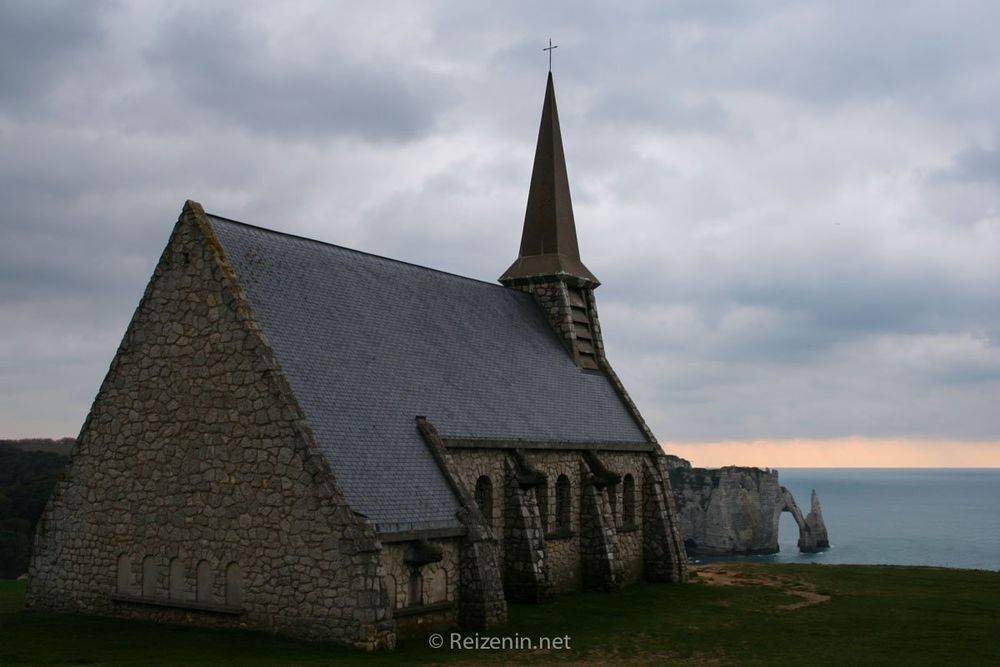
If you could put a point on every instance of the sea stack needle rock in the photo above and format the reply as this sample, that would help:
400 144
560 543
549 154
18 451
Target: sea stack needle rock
735 510
817 538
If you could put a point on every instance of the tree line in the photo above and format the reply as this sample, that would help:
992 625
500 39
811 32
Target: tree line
27 477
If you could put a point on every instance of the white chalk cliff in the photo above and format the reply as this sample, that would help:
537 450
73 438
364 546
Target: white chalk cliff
735 510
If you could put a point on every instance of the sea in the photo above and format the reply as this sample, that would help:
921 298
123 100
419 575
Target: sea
948 517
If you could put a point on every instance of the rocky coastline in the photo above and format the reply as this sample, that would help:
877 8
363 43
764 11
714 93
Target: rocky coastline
735 510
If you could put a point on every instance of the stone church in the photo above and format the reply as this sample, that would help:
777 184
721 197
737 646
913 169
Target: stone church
306 439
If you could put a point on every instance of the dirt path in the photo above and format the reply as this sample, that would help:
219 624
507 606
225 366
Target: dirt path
728 574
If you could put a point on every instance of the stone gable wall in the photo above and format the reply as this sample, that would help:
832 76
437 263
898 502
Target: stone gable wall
196 453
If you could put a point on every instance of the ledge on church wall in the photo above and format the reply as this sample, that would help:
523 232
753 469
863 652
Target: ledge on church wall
190 605
419 609
560 534
596 445
420 534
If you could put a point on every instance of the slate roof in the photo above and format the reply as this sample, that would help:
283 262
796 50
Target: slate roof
368 343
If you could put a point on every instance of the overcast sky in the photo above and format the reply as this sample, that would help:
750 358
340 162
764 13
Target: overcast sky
794 208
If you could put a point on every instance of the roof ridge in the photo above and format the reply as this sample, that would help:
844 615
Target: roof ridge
361 252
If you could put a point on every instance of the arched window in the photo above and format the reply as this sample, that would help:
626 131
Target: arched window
123 582
564 503
176 586
613 500
542 496
415 592
203 582
484 498
628 500
234 585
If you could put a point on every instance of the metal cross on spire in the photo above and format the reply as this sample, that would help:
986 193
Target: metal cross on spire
549 49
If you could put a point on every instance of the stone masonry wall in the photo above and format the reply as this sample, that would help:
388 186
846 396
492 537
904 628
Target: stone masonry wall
553 298
438 584
197 474
469 465
563 551
629 536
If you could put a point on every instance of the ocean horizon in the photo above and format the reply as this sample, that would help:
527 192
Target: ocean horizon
945 517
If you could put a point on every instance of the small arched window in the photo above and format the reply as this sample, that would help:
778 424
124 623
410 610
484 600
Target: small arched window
484 498
150 576
203 582
564 503
542 496
414 594
123 581
234 585
613 500
176 584
628 500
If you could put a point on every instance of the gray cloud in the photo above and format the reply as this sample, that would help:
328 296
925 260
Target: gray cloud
39 44
974 165
792 206
220 63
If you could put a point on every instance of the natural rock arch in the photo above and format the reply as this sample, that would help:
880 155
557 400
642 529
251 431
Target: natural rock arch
812 530
736 510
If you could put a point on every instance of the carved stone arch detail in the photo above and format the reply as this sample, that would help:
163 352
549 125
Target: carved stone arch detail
176 583
234 585
150 577
203 581
123 575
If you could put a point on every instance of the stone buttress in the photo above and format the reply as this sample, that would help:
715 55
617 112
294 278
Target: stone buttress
602 567
526 568
481 602
664 558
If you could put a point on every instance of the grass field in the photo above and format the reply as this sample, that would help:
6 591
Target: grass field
731 614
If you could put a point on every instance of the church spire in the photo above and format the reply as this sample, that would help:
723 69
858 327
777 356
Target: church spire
548 241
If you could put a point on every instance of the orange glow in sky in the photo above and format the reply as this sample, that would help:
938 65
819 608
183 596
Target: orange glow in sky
851 452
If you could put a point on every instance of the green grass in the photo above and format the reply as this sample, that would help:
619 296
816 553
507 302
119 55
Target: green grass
876 615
